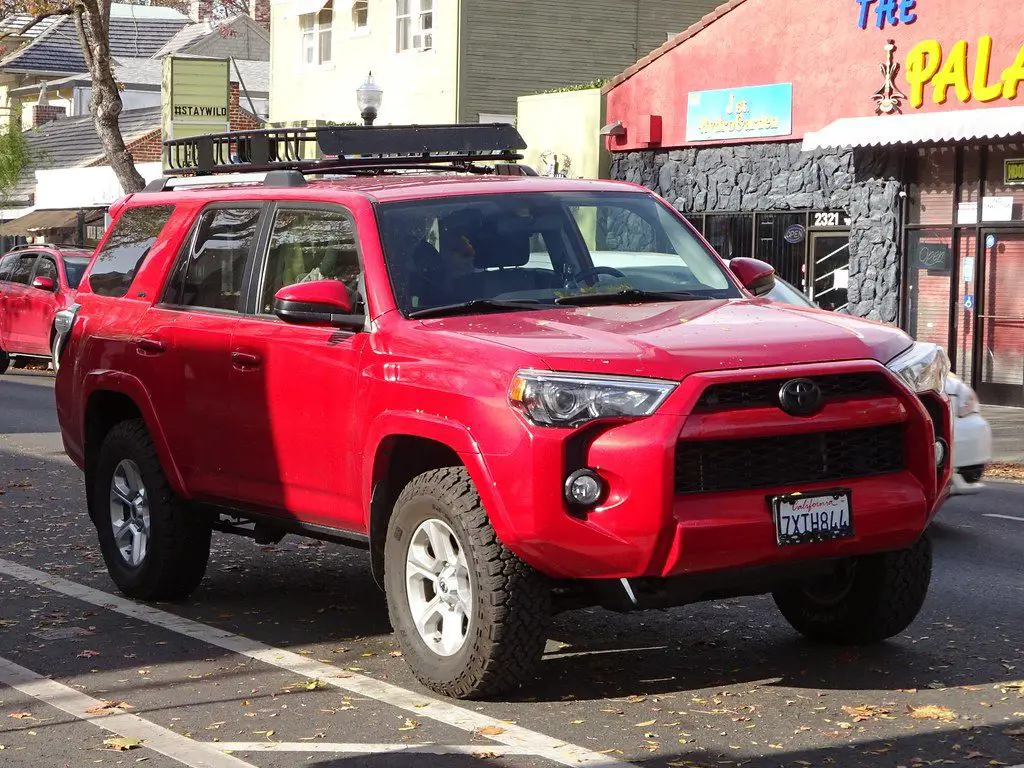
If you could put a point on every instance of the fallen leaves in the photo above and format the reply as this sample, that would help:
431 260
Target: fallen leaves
88 654
868 712
645 724
1017 732
932 712
409 725
489 730
22 716
121 744
305 685
107 707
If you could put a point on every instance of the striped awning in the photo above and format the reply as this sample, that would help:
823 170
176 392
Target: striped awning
885 130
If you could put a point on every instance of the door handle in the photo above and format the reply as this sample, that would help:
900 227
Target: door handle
246 360
151 346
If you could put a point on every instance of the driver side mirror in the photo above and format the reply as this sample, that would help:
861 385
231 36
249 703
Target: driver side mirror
44 283
755 275
320 302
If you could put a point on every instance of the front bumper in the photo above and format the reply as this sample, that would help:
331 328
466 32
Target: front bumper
644 528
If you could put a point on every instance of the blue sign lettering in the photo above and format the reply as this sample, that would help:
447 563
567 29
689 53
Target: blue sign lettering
891 12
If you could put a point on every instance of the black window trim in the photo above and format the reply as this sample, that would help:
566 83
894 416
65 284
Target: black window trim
185 252
256 279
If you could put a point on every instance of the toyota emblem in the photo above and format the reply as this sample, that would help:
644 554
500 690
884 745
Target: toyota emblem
800 397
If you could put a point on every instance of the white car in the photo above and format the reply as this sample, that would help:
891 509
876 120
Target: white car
972 435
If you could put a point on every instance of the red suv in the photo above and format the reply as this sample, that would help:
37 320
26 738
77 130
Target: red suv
36 282
520 394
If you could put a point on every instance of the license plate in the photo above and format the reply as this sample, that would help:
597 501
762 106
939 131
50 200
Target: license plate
804 519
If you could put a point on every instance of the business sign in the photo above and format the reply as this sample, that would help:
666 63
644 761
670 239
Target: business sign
740 113
195 96
1013 172
934 257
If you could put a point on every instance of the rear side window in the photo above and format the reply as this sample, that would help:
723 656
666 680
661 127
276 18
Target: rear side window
6 267
74 269
214 269
23 269
47 268
133 235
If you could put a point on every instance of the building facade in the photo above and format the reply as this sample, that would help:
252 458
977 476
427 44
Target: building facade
442 61
873 153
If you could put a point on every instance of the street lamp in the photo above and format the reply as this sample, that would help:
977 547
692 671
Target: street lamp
368 98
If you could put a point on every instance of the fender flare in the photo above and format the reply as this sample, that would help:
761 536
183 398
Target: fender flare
454 435
131 387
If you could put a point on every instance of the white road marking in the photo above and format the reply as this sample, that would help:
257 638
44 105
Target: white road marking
194 754
1008 517
420 705
367 749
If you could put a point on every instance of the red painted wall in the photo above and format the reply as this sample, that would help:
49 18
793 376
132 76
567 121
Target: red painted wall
817 46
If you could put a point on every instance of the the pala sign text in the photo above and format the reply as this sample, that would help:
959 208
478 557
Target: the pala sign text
965 68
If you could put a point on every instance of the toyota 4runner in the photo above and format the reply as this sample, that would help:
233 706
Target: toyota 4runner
519 394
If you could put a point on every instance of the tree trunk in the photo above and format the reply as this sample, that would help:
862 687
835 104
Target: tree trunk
92 20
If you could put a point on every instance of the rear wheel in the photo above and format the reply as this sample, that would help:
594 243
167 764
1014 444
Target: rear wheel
5 362
471 617
870 599
155 548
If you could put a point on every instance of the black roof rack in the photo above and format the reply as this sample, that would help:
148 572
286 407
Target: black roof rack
346 149
54 246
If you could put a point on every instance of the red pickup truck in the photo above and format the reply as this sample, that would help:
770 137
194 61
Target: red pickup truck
519 394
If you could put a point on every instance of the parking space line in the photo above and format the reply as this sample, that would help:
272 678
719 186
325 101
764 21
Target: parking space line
194 754
368 749
421 705
1007 517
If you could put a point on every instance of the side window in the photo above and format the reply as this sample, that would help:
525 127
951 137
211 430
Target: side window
7 266
23 269
307 245
46 268
133 235
216 263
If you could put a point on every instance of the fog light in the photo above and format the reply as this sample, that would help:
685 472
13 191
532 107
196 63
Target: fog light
940 453
584 488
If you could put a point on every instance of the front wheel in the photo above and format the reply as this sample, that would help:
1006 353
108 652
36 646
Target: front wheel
470 616
868 600
154 546
5 362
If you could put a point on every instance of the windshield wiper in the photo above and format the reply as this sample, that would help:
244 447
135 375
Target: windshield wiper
627 295
476 306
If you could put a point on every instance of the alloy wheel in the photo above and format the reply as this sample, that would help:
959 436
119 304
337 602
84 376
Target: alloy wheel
438 587
129 513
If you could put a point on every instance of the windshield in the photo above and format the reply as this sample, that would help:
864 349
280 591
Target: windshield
540 248
74 269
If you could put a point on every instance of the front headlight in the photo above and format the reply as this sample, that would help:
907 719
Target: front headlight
570 400
967 402
923 367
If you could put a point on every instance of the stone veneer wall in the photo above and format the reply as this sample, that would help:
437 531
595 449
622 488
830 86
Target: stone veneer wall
863 184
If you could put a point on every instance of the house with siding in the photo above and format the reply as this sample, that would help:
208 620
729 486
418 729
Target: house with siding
442 61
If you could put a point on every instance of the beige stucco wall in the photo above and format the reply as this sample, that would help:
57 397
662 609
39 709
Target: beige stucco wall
564 124
419 86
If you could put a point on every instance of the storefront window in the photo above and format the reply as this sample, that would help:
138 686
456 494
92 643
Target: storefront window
929 271
788 256
1004 183
933 185
732 235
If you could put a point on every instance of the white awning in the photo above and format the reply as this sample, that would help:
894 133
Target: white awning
885 130
302 7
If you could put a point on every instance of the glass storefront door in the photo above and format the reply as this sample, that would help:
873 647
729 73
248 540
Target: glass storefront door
999 335
830 264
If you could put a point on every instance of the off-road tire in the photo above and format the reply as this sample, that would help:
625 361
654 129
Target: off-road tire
179 540
5 362
885 596
511 602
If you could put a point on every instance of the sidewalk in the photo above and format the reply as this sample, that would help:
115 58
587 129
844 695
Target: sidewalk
1007 433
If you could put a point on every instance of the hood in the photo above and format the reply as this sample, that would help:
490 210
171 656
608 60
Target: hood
673 340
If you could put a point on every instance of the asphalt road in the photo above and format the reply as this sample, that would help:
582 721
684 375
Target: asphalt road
284 657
